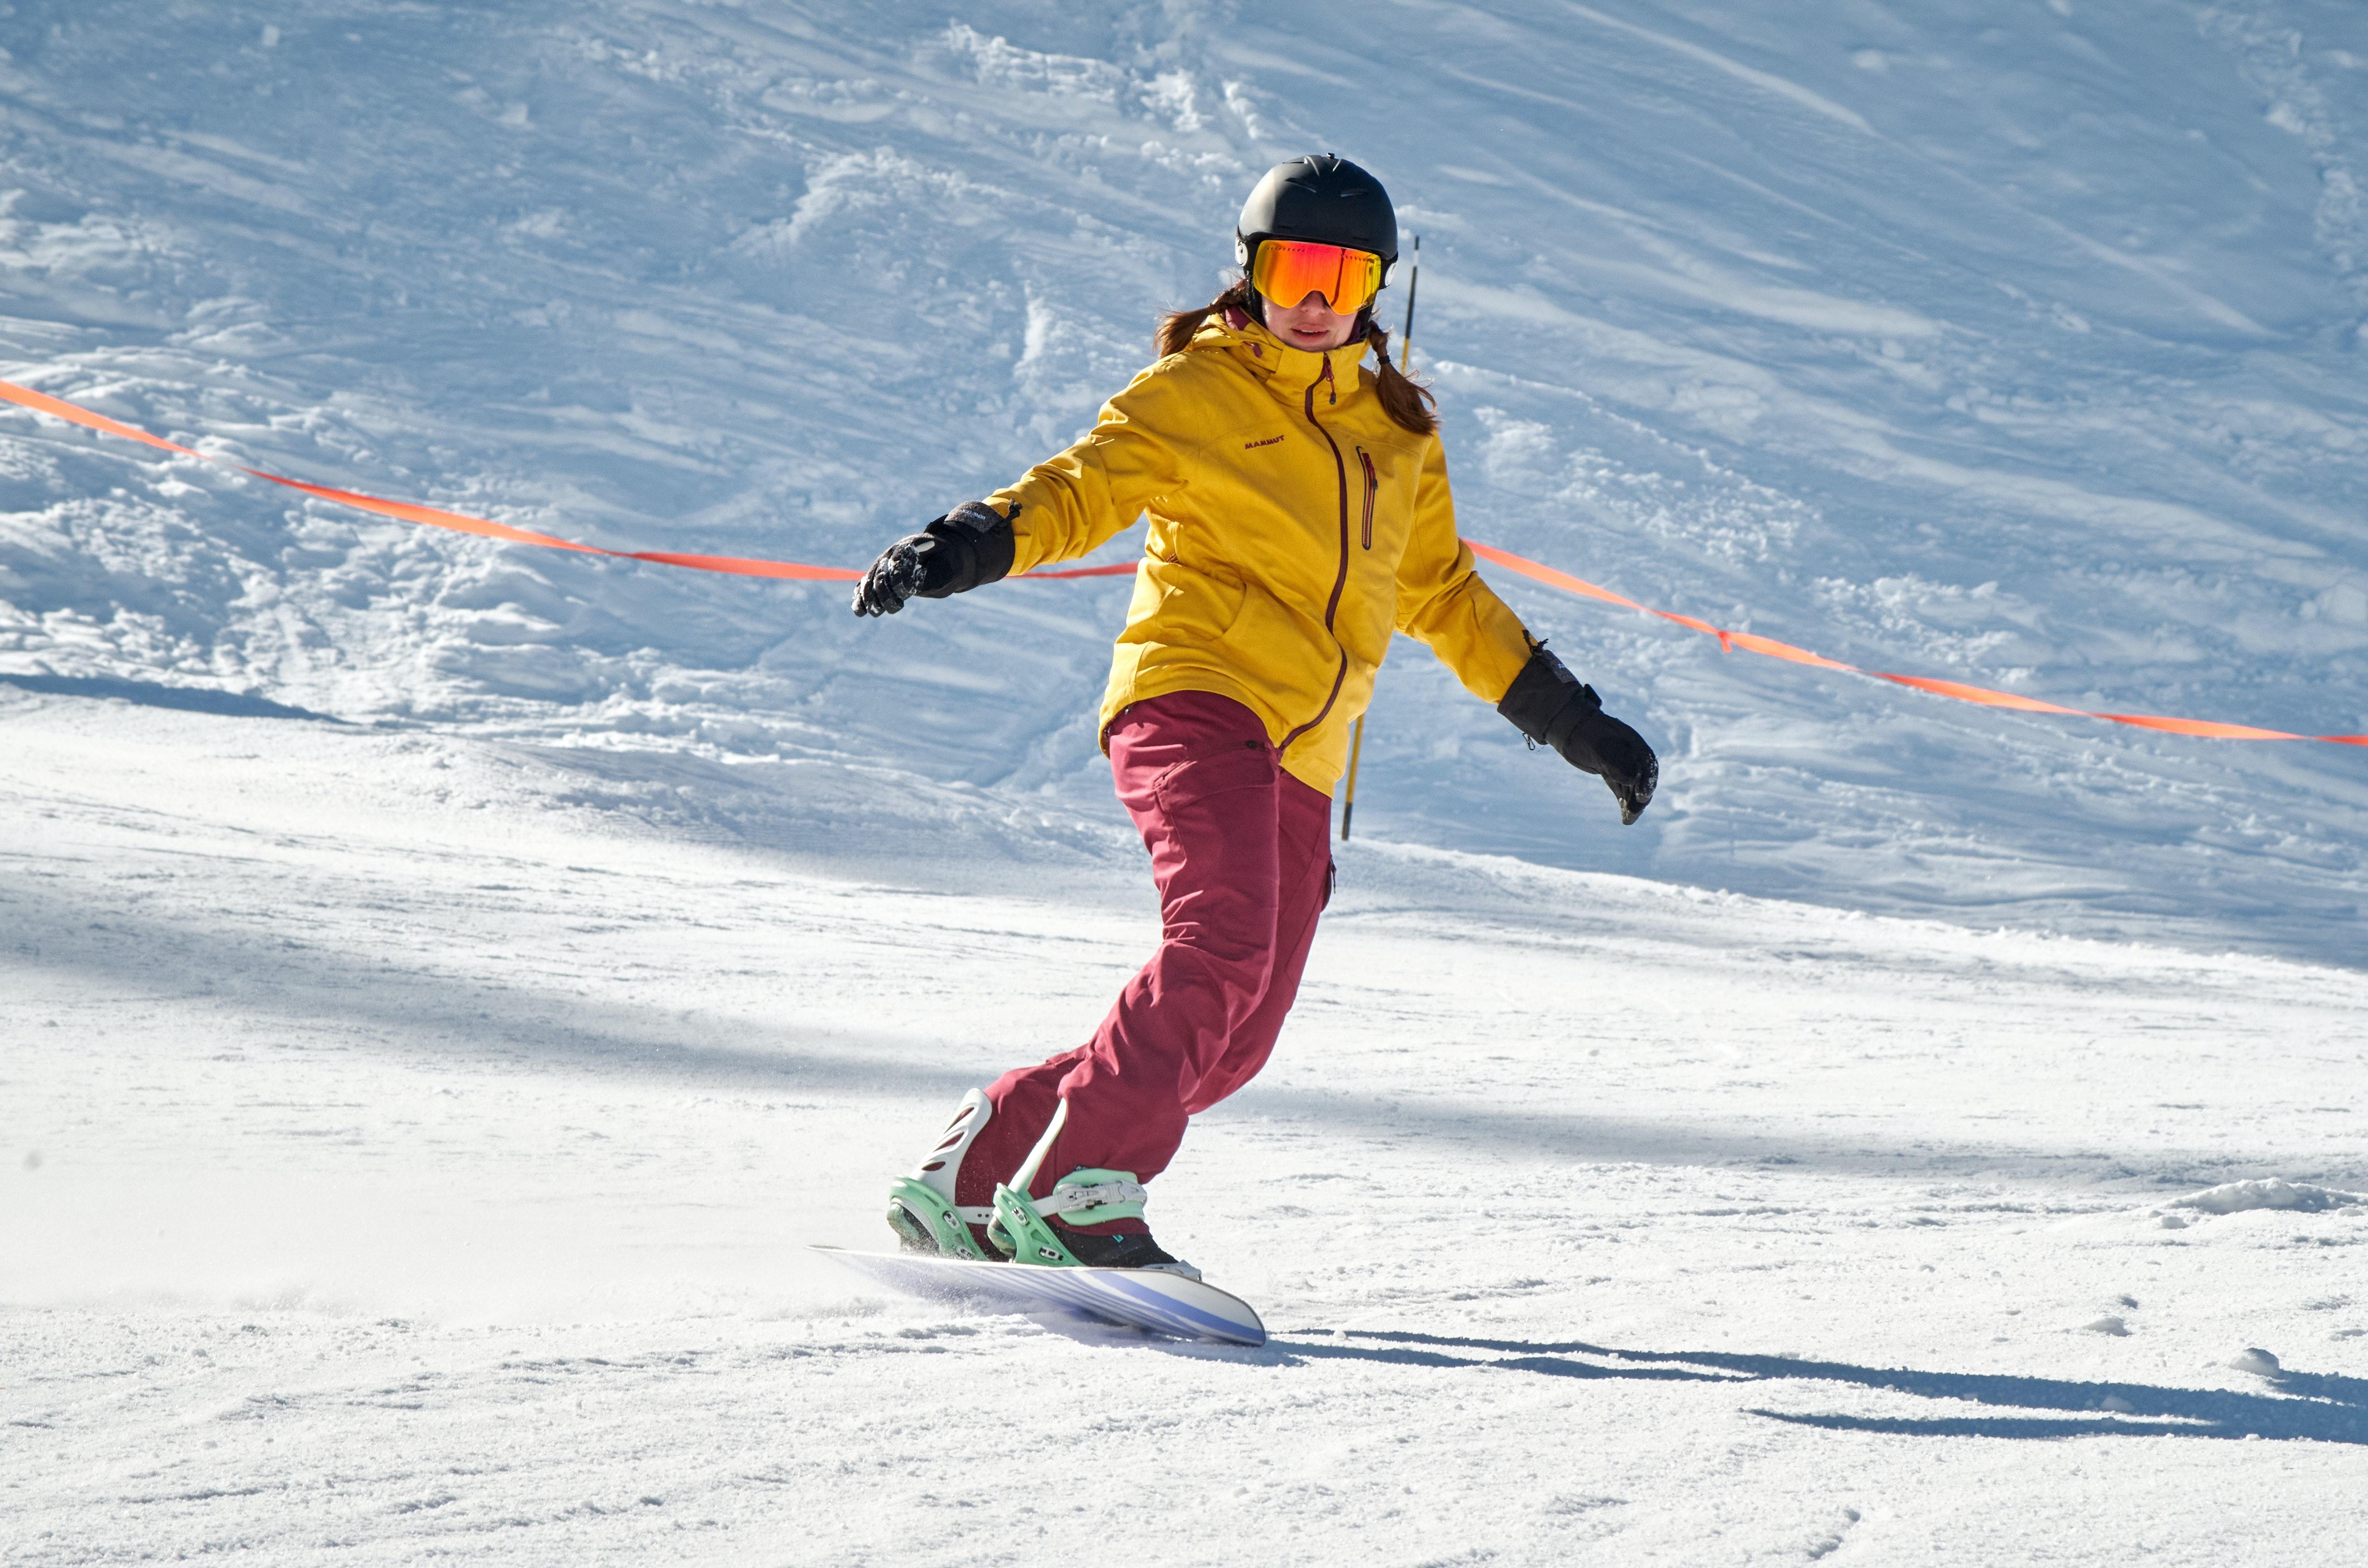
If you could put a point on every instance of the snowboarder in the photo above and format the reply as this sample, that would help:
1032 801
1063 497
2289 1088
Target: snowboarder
1299 515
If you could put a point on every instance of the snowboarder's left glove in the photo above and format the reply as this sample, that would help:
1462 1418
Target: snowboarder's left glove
1547 703
968 546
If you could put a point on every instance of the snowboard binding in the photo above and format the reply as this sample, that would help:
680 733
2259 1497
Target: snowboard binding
1022 1229
1018 1228
921 1208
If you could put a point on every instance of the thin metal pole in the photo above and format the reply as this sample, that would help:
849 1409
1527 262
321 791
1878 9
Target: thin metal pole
1406 352
1356 748
1414 281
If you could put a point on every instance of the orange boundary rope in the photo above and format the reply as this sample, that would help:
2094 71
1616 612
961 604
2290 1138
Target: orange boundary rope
1768 646
461 522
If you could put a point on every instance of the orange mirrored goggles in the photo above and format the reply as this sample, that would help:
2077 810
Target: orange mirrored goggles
1287 271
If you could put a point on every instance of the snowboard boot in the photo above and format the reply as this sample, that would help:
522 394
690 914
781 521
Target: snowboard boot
1042 1231
921 1208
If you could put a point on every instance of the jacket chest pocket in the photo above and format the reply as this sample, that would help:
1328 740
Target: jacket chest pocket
1370 479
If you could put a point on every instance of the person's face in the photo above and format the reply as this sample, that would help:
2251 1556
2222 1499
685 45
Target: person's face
1309 323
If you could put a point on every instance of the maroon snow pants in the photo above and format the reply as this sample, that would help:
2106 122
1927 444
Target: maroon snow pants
1242 855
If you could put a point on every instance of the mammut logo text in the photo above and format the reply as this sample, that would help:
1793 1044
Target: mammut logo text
1254 445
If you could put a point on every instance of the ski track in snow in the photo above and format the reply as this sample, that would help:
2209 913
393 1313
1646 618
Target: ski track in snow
410 1126
410 1142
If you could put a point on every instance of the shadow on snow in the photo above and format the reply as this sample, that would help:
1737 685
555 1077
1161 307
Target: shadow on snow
154 694
2309 1406
413 1004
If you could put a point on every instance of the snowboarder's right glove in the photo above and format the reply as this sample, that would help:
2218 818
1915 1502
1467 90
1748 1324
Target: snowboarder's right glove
968 546
1547 703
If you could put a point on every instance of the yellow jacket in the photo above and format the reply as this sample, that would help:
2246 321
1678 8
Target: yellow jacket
1293 527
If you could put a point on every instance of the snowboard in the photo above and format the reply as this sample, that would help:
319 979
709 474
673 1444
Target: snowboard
1137 1298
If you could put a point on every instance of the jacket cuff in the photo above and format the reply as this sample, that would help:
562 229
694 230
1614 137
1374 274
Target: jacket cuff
980 539
1542 693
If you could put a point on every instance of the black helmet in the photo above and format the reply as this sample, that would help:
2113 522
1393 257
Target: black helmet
1324 199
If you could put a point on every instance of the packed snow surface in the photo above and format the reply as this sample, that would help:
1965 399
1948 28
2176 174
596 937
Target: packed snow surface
444 986
412 1142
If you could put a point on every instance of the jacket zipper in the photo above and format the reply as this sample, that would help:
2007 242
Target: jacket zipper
1372 483
1340 579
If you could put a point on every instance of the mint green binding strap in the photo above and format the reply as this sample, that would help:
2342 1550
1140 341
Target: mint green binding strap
1024 1231
946 1228
1119 1197
1081 1197
1016 1229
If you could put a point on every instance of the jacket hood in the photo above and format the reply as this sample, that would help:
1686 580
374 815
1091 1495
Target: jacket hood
1285 372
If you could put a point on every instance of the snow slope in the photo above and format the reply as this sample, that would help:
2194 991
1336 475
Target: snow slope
409 1140
409 1126
2016 344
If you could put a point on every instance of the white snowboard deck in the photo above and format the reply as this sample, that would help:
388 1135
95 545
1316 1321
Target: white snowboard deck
1138 1298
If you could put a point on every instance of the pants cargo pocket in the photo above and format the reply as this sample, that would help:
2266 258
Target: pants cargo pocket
1247 765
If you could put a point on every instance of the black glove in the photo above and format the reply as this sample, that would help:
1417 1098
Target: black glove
969 546
1547 703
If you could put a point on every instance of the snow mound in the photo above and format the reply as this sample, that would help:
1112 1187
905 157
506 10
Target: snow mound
2236 1196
